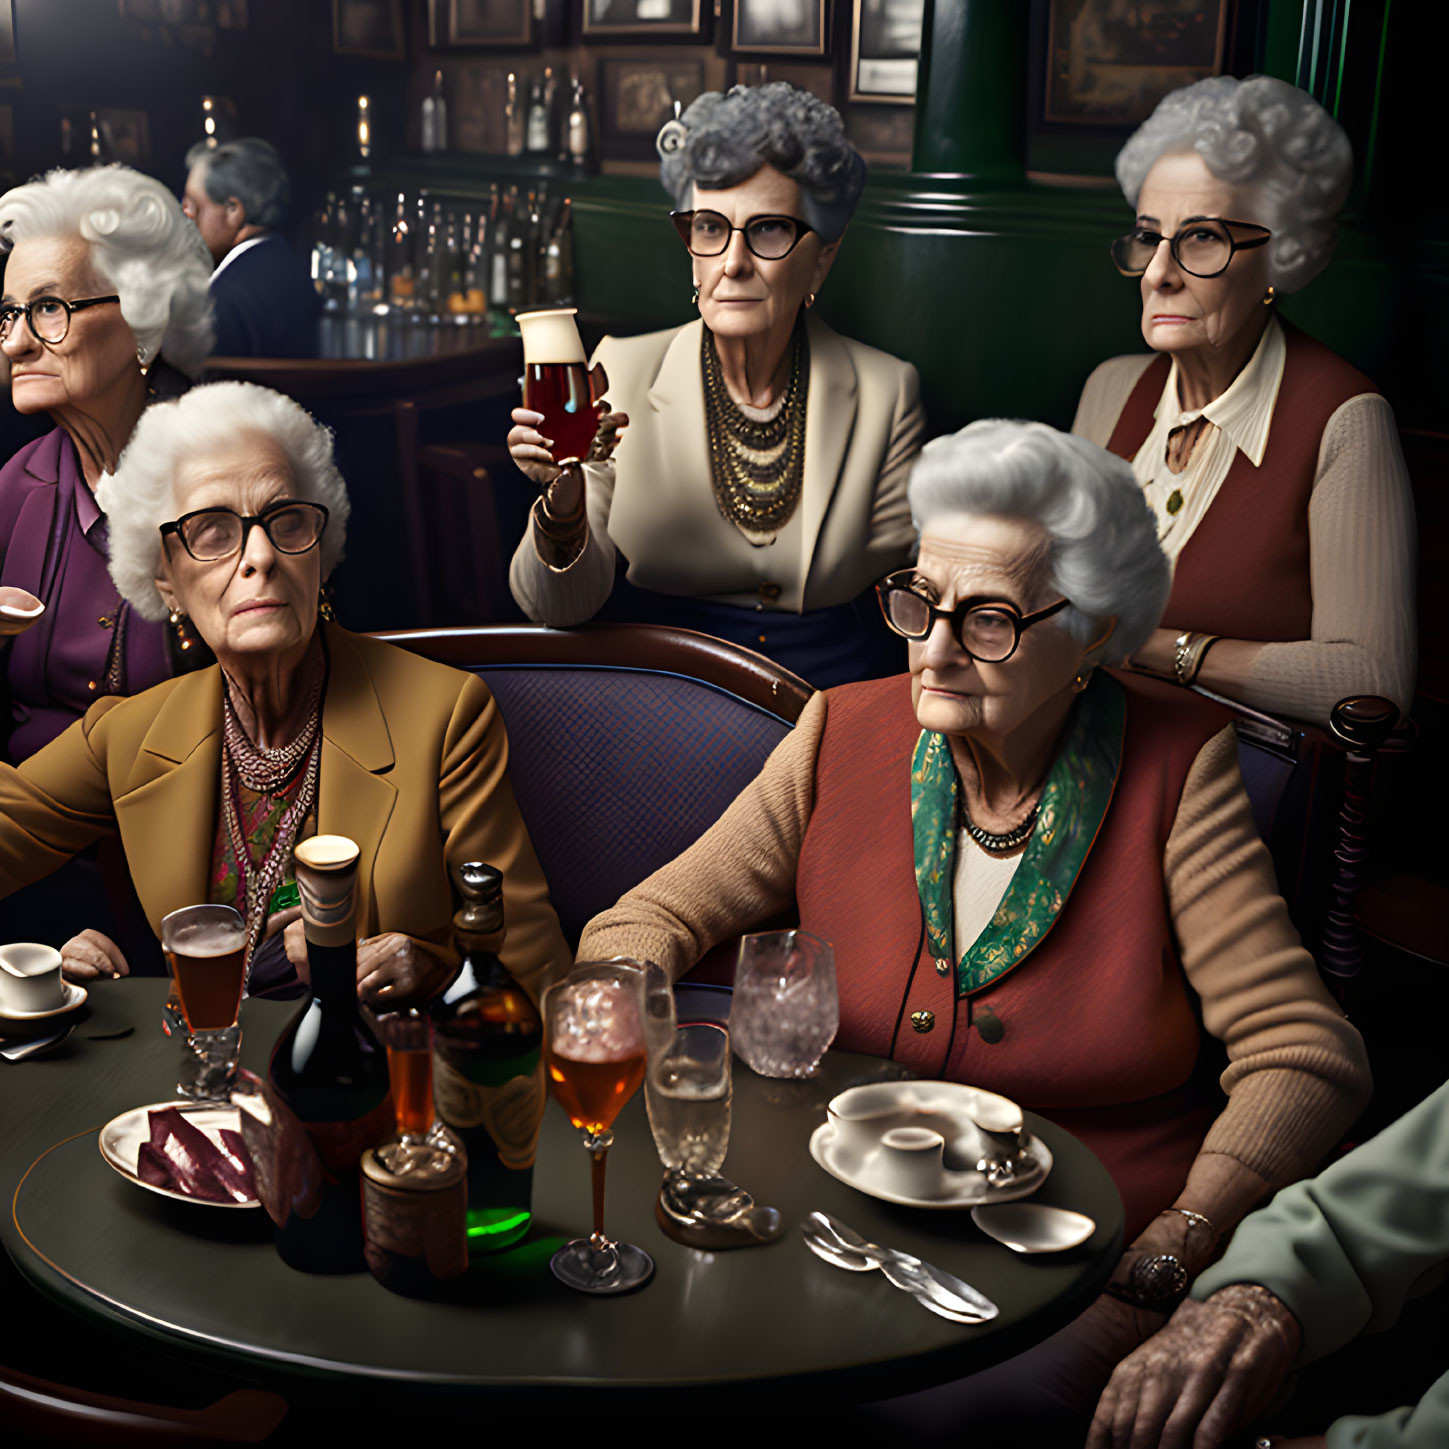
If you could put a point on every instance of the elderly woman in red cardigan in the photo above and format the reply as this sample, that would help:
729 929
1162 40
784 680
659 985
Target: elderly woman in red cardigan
1038 879
1273 467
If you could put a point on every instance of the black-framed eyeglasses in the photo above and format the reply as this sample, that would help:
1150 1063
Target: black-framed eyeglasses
210 534
47 317
1202 247
987 629
707 233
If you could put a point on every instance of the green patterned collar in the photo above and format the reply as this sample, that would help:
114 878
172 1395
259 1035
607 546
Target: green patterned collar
1073 805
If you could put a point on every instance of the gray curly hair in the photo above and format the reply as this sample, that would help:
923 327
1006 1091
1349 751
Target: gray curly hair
1264 134
140 495
726 136
142 247
1104 555
250 170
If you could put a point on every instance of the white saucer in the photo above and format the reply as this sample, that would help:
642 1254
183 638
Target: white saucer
944 1107
121 1138
74 996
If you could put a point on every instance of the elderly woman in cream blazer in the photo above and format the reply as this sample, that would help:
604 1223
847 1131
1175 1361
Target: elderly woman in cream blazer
760 489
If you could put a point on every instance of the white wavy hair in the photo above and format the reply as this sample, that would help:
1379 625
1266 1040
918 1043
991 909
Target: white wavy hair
1104 555
140 496
1264 134
142 246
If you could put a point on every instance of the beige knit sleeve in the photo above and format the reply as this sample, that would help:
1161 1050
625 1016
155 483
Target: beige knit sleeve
740 872
1297 1073
1105 393
1362 547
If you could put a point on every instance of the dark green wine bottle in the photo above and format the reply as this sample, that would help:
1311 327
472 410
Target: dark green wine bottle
488 1083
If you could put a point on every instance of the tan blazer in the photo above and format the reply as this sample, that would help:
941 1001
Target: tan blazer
654 502
414 769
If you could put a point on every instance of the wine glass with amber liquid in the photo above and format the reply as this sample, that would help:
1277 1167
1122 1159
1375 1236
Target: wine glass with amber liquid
593 1024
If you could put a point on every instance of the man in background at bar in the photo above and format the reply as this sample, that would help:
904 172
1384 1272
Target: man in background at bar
238 196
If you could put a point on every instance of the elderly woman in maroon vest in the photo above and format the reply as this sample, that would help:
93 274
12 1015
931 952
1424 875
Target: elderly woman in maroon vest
1039 880
1273 468
105 308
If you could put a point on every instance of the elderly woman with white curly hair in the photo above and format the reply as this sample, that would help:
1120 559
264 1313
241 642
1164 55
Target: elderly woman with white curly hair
105 310
1040 881
761 487
228 510
1273 468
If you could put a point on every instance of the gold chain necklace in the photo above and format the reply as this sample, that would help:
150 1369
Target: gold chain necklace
757 467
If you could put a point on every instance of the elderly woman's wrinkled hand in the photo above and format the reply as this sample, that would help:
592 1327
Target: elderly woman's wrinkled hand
1214 1367
607 438
395 970
91 956
530 449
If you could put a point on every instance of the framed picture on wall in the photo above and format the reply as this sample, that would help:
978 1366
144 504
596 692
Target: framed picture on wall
480 22
1103 69
123 136
369 27
636 97
819 80
885 50
779 27
645 19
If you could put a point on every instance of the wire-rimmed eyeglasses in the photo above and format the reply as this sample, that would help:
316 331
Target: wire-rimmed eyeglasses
987 629
209 534
1202 247
47 317
707 233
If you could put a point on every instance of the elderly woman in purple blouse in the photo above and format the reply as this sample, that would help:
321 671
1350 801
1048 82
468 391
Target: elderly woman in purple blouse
105 309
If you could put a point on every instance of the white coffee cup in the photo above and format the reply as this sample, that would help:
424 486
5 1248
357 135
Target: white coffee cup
30 978
909 1163
859 1116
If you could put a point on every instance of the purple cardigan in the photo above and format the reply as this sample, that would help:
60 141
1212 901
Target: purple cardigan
55 543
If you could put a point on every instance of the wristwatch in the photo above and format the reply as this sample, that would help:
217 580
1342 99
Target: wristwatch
1156 1282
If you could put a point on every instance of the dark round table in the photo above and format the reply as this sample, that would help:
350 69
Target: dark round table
206 1283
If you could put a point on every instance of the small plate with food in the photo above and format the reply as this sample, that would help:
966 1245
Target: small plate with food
191 1151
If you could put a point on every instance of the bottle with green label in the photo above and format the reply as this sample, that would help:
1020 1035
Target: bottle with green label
488 1083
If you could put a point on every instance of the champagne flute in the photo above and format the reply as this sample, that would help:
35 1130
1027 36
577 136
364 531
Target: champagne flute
206 948
594 1036
556 382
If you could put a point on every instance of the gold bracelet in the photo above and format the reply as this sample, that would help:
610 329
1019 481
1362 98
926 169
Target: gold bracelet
1181 646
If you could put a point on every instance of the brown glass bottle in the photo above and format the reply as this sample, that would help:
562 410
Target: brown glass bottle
488 1083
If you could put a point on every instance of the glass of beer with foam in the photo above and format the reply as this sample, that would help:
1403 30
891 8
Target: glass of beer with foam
556 382
206 948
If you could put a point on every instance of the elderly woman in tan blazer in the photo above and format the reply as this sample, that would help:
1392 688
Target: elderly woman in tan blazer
760 489
227 514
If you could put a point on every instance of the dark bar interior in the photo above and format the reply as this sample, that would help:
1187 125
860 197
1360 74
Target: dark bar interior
839 603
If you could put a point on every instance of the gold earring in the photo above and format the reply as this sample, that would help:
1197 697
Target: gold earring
141 361
177 620
809 300
694 297
1268 297
1083 679
324 605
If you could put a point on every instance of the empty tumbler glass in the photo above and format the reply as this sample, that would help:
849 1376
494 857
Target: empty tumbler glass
785 1011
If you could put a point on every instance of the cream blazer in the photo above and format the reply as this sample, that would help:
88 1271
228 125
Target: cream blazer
414 768
654 501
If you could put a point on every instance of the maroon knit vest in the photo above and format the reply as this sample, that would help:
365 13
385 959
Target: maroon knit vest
1101 1032
1244 572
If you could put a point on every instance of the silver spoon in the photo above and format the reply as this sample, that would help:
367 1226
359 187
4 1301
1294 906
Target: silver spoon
968 1298
19 1050
927 1294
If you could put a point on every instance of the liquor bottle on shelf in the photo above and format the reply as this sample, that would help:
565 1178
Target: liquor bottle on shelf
557 288
552 112
323 246
401 287
435 117
499 253
328 1067
536 130
579 133
514 118
488 1083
